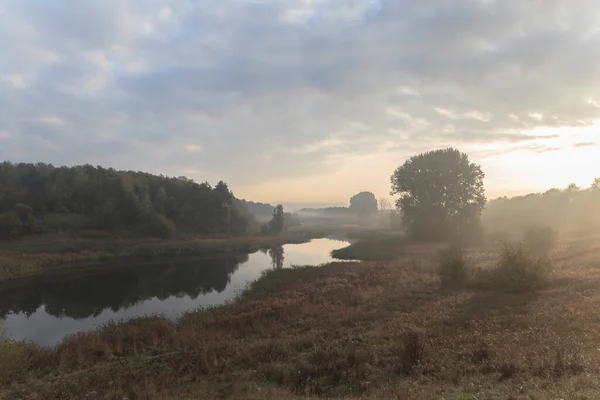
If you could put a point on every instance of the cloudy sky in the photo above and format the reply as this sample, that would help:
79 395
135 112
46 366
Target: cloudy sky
304 100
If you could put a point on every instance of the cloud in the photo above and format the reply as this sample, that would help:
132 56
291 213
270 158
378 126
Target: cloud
251 91
586 144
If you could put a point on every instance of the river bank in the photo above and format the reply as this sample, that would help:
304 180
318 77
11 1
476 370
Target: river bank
371 330
47 307
34 255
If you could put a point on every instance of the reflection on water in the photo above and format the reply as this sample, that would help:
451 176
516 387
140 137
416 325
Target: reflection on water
46 308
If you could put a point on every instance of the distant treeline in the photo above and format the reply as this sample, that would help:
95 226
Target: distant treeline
572 209
39 197
260 211
326 211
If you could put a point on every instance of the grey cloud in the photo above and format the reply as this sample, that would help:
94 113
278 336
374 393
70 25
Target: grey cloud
250 88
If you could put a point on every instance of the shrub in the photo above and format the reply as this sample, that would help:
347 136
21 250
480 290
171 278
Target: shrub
539 240
453 268
65 222
14 360
413 351
481 353
158 226
518 271
10 225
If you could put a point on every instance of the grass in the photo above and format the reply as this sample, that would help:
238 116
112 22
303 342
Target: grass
14 360
34 255
379 247
372 330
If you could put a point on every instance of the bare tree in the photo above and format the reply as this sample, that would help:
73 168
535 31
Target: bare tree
384 205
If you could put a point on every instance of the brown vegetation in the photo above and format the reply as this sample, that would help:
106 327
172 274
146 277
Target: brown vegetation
371 330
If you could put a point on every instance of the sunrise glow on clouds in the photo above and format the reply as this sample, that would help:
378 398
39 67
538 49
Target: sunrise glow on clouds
304 100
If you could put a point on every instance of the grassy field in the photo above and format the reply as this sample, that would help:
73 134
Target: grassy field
35 254
372 330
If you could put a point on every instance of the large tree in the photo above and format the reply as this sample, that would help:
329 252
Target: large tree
441 194
363 204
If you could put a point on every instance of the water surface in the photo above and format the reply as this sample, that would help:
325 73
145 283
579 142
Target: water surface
46 308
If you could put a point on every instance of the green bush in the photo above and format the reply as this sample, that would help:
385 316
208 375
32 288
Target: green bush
540 240
453 268
518 271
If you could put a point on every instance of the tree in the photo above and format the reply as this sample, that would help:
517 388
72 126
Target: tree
384 205
363 204
596 184
278 221
127 201
441 194
277 256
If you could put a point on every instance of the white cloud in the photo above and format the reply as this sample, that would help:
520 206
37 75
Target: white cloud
281 89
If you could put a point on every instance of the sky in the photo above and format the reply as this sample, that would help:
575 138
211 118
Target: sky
304 101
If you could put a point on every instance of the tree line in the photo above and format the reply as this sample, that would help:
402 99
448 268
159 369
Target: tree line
37 198
573 209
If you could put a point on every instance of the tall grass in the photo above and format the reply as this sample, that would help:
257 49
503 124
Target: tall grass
13 359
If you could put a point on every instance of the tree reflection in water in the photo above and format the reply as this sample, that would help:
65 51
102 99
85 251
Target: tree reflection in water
277 256
89 293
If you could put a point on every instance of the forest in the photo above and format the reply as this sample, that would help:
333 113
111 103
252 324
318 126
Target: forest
42 198
573 210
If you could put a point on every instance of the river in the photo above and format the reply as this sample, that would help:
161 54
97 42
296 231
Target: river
46 308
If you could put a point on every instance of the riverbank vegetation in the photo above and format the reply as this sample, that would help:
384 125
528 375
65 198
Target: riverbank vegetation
37 254
371 330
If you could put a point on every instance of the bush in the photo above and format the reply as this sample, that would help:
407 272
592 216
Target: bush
158 226
518 271
65 222
540 240
453 268
413 351
14 361
10 225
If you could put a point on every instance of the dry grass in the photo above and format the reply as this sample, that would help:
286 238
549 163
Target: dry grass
375 330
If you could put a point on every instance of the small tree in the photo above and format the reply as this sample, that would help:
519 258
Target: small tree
384 205
441 194
278 221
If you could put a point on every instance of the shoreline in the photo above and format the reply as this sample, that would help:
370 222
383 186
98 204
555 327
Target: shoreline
48 254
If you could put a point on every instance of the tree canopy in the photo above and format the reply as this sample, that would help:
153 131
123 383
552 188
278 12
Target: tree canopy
571 209
363 203
41 197
441 194
277 223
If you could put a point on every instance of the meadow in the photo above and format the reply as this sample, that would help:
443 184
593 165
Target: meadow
378 329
